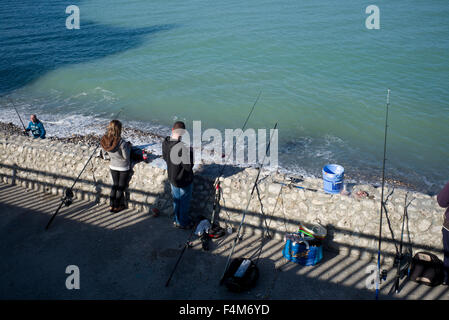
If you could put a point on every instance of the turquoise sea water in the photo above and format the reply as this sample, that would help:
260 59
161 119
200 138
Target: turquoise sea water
322 74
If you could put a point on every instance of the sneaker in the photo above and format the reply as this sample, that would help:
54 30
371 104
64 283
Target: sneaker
119 209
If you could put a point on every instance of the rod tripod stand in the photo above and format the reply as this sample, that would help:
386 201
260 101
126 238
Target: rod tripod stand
402 261
217 208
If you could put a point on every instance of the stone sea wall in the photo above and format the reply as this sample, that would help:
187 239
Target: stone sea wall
352 221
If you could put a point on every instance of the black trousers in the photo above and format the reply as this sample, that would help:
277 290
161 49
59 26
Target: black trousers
446 253
120 180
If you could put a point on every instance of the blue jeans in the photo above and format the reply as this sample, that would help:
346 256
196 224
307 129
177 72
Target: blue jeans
181 204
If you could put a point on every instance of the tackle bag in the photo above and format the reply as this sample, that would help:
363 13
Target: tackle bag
241 275
427 269
304 250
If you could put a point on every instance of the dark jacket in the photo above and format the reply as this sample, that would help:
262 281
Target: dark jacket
180 175
443 201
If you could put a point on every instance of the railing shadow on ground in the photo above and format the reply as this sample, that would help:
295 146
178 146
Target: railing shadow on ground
96 249
90 213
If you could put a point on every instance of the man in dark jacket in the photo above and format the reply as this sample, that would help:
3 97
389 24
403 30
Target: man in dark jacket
443 201
179 159
36 127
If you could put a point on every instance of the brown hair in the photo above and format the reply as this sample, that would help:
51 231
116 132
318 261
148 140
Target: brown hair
179 125
114 129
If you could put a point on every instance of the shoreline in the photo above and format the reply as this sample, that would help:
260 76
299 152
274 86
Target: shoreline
134 134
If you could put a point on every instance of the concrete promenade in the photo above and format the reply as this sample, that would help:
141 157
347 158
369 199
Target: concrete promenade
130 255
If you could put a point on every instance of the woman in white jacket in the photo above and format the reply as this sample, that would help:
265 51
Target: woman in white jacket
119 151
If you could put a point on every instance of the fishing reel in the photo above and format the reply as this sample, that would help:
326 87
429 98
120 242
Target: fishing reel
68 197
383 275
294 179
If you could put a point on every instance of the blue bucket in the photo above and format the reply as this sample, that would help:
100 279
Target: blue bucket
333 175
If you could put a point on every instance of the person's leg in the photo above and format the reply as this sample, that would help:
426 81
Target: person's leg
125 201
115 181
176 202
122 184
446 255
186 196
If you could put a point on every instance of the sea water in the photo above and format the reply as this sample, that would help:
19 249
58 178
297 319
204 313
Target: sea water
323 75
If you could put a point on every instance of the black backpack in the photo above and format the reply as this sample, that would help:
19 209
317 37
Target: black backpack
136 154
427 269
236 280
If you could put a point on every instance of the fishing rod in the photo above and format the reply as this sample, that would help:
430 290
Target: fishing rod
188 244
67 200
382 203
13 105
217 182
296 186
216 202
237 237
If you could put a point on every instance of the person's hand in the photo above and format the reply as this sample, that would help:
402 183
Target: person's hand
25 133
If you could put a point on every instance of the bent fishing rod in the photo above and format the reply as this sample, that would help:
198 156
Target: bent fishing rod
216 202
382 203
68 194
237 237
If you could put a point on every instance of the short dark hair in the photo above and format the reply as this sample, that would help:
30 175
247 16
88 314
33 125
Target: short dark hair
179 125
